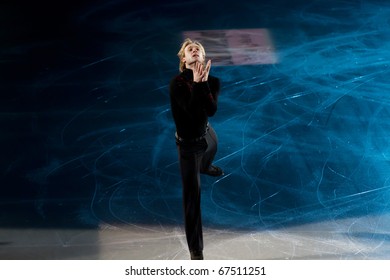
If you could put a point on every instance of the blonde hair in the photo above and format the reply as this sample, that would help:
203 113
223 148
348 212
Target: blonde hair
181 52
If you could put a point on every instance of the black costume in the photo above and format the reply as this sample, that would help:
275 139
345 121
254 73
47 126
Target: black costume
191 104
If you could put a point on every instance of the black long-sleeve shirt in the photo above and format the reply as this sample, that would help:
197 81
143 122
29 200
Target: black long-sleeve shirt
192 103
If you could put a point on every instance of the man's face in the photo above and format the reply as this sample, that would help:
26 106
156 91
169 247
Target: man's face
193 53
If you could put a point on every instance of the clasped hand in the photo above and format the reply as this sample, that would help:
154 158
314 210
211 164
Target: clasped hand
201 74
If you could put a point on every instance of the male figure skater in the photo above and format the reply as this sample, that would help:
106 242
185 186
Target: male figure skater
194 96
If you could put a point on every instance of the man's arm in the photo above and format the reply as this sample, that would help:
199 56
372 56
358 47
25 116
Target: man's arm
209 91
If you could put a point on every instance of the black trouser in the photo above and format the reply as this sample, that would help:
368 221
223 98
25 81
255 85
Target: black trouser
193 157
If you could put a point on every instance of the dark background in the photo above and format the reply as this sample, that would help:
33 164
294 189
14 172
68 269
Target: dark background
87 134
